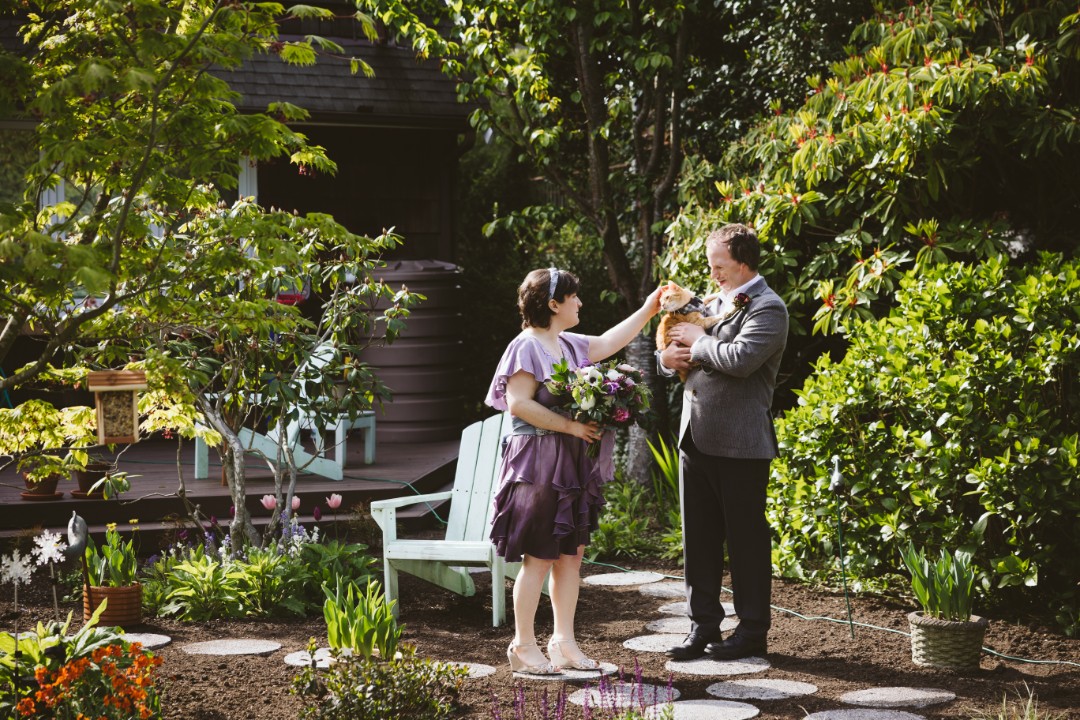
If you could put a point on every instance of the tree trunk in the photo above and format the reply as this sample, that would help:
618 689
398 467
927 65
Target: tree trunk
638 456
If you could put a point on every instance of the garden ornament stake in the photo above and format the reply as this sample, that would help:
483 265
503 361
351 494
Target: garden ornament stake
77 533
837 485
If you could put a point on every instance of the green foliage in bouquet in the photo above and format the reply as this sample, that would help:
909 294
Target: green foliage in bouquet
944 588
611 394
956 421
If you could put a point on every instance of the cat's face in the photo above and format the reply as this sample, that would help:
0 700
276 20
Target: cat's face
674 297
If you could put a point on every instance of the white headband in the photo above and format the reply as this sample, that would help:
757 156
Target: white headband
554 281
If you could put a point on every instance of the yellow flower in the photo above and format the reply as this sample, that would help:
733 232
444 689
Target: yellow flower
110 526
133 521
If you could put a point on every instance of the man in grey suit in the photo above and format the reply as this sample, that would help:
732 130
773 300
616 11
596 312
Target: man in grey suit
726 443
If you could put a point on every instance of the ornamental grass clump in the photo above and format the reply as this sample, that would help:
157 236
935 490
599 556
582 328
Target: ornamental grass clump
944 588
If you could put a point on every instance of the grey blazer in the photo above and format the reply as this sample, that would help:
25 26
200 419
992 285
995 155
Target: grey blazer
728 396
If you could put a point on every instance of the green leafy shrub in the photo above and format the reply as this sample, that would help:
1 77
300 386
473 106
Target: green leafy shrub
943 588
623 528
359 688
956 420
267 584
327 561
200 587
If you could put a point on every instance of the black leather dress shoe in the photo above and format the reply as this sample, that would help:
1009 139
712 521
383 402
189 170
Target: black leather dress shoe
694 645
737 647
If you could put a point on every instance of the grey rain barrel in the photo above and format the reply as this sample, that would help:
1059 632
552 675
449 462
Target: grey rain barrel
422 367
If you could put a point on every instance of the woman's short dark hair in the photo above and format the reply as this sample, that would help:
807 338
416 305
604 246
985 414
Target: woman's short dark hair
533 295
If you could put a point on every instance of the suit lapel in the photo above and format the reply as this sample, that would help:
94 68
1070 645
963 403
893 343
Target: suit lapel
753 291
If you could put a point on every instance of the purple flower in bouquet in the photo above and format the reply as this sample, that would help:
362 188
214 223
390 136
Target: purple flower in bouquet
609 394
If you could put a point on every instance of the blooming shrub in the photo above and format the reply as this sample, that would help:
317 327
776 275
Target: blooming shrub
115 681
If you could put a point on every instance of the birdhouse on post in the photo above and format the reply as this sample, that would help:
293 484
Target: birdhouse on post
116 396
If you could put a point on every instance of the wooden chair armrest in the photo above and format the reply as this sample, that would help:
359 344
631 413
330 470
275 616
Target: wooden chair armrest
410 500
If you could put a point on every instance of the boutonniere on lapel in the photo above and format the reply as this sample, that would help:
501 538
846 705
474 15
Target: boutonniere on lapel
740 303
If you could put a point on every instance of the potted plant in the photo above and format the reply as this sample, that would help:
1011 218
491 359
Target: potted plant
41 474
90 473
112 574
944 634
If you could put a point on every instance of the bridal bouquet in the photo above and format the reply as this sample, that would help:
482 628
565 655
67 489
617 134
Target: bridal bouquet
611 394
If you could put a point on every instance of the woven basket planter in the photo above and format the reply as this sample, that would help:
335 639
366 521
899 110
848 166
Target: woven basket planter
947 644
124 607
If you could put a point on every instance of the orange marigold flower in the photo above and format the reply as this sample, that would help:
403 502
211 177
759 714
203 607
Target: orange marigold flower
26 707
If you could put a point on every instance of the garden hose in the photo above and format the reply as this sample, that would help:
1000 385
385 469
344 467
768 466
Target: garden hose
836 485
793 613
7 398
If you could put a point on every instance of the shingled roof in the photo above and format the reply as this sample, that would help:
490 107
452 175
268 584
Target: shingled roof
405 92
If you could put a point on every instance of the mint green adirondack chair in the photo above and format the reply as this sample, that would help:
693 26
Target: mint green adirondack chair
445 562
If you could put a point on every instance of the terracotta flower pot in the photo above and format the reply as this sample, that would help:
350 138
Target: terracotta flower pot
947 644
86 478
42 489
124 607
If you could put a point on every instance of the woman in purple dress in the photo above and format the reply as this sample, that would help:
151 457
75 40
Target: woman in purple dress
549 495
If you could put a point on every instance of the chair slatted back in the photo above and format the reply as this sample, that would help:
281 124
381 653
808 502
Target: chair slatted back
478 462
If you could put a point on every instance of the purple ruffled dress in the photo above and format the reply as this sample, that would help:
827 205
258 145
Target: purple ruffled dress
549 494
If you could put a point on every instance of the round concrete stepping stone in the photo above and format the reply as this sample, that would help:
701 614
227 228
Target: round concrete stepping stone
234 646
708 666
654 643
679 608
664 590
760 689
149 641
572 675
704 710
864 714
681 625
624 578
302 658
475 670
893 697
626 695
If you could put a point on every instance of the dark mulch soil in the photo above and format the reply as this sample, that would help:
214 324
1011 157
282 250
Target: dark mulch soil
444 626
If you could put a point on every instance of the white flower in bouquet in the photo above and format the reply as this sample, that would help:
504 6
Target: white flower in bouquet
587 403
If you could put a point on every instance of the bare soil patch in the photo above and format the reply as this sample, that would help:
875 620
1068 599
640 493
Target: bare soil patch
447 627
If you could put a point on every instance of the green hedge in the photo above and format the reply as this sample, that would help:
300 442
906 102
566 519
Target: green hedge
955 419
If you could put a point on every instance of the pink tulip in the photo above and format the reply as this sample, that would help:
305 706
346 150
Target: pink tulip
334 501
269 502
295 503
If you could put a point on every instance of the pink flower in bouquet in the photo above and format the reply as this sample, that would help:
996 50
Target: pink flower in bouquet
269 502
621 415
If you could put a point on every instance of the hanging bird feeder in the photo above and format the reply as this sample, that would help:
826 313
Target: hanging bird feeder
116 395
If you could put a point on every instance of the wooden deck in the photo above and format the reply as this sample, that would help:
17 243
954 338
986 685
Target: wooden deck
399 469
